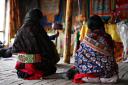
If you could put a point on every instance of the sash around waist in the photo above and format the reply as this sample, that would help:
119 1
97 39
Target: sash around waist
29 58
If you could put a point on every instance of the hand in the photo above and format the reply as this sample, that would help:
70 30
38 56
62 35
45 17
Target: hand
57 34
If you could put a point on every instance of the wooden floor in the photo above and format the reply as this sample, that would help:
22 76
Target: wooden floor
8 75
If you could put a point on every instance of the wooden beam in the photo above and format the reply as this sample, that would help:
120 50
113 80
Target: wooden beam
67 42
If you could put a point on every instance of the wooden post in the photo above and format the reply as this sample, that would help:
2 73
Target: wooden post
5 16
67 42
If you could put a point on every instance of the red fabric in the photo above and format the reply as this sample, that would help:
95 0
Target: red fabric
122 2
17 65
23 52
72 67
36 74
122 7
29 69
78 77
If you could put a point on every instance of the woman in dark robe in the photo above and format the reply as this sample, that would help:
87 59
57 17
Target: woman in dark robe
37 54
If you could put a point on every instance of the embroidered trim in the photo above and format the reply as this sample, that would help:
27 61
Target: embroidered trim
96 46
29 58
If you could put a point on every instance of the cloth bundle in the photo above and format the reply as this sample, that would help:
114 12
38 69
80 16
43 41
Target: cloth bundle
122 29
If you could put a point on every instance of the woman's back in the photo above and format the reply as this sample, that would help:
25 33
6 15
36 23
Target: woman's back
37 55
96 55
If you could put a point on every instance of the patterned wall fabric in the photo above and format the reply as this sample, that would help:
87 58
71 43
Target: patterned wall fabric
122 7
100 7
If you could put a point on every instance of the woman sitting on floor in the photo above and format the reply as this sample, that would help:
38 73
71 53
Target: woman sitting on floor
37 54
94 60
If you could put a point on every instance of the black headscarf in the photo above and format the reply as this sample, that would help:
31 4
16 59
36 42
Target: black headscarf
95 22
32 38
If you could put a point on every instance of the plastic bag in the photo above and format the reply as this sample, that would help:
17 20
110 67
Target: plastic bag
122 30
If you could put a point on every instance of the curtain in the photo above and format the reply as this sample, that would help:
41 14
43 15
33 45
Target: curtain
18 10
15 21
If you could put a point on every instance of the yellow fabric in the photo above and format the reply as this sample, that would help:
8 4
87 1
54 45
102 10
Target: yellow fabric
83 31
111 29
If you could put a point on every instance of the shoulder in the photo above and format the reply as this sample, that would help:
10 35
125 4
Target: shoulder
108 36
